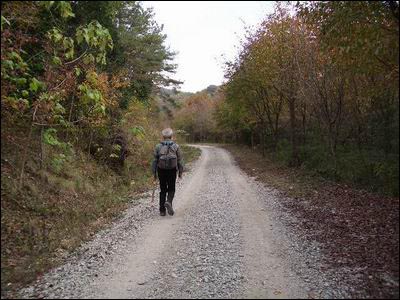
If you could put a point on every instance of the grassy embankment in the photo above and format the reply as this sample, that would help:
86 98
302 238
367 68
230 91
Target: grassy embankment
53 212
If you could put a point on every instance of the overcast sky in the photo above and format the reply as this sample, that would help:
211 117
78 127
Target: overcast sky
202 31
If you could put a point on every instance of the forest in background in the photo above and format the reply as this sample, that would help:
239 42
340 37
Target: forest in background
316 86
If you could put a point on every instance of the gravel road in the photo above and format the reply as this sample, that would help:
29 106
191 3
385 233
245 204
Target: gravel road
229 238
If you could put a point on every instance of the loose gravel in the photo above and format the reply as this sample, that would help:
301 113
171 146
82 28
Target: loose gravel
96 258
204 260
229 238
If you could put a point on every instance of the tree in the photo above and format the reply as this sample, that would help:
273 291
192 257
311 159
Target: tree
326 77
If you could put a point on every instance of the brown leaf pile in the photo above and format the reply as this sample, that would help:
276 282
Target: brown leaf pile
357 230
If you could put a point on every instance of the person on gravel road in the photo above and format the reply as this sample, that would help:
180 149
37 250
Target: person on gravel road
167 161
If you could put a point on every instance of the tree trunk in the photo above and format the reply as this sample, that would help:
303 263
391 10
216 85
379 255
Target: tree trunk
42 154
263 142
70 115
25 156
275 142
304 128
295 160
90 141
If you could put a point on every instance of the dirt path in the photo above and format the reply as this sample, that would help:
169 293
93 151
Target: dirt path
224 241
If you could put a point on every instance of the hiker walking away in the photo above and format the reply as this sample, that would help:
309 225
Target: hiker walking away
167 161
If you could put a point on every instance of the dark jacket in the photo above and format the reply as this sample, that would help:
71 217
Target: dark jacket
157 156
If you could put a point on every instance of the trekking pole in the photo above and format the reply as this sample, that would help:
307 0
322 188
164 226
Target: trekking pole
154 191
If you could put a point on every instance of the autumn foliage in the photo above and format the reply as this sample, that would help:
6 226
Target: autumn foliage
316 86
78 123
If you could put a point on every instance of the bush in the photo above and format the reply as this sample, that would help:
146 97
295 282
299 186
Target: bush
372 169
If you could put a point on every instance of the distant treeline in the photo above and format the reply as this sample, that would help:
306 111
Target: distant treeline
315 85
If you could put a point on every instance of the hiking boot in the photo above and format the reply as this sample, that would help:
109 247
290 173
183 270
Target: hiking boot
169 208
162 213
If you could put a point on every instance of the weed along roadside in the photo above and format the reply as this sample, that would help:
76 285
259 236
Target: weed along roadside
332 215
77 126
57 212
245 231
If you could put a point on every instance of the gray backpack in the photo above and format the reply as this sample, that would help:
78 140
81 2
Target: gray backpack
167 156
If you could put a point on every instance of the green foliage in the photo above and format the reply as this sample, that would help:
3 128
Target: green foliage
58 76
115 151
57 162
4 22
74 79
78 71
89 95
94 35
63 8
283 153
138 132
62 151
320 89
36 85
55 35
50 137
148 58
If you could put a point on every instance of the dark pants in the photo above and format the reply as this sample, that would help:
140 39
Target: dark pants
167 185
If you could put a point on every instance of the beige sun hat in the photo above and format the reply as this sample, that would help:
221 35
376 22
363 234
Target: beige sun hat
167 133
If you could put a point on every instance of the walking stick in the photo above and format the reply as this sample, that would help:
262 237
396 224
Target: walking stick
154 191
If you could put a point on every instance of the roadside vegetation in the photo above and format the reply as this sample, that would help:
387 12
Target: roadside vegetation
310 108
315 86
78 123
